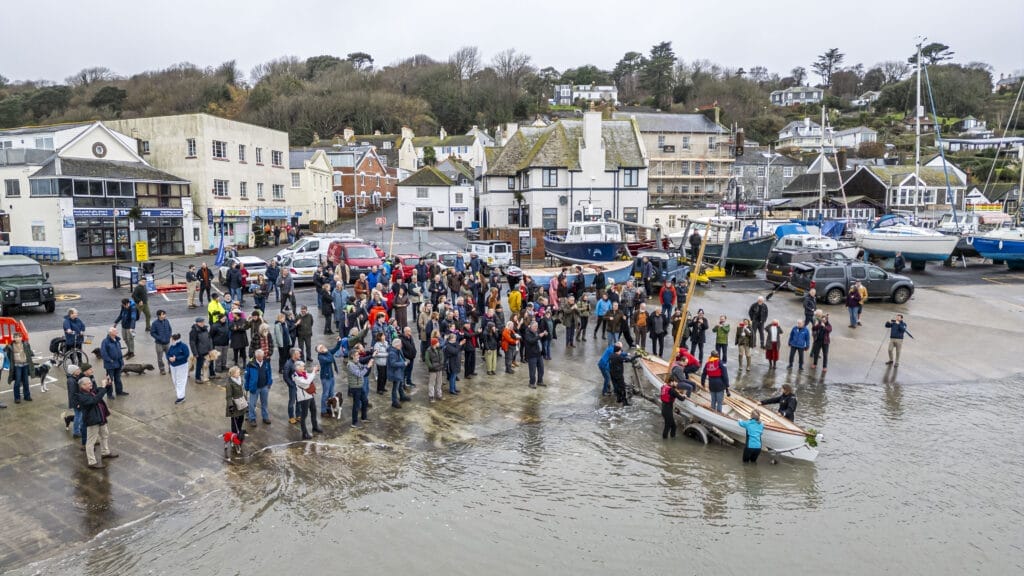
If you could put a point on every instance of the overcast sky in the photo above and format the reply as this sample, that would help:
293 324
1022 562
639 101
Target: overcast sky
49 39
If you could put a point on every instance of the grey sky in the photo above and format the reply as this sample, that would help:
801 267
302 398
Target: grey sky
49 39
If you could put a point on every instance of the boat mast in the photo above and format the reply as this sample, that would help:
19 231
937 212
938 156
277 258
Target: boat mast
917 133
821 166
694 274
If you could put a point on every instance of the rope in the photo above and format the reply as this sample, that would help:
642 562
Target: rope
1009 121
942 152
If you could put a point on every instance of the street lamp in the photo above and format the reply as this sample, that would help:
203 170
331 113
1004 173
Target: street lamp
770 157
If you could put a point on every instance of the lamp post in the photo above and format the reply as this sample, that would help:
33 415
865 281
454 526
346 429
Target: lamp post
770 156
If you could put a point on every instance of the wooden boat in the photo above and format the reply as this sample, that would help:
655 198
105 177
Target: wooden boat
618 271
781 437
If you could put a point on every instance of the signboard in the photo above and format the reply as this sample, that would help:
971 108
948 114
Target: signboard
460 209
142 251
381 221
123 212
525 242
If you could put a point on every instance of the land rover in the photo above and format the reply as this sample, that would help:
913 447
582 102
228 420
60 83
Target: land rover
24 284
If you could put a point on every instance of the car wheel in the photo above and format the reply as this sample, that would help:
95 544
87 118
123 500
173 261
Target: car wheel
50 307
835 296
901 295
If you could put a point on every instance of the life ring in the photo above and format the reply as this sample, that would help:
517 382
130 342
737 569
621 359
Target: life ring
970 240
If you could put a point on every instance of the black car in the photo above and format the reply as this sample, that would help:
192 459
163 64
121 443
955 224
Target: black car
780 262
831 280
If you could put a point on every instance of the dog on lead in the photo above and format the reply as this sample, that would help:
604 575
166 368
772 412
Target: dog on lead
233 443
41 371
129 367
334 405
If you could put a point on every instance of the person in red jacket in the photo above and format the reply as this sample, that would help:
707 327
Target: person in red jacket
667 296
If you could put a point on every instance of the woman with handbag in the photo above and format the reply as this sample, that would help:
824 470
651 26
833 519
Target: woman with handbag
237 404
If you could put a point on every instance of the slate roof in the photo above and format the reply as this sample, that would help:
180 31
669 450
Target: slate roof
105 170
491 153
996 192
25 130
436 142
427 176
891 175
297 158
808 183
378 140
557 146
453 168
856 130
674 123
799 124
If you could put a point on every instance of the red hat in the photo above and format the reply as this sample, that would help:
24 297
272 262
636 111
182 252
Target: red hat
433 341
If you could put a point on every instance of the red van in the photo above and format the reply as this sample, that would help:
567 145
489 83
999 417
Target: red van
355 258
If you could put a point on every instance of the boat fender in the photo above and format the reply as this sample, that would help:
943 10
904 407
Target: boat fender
970 240
1000 245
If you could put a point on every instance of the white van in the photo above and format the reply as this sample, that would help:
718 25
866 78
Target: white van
308 246
492 252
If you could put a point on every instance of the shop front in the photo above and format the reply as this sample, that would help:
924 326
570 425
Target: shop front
235 223
107 232
262 218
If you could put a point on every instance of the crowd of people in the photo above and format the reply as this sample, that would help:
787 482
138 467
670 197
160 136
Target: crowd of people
377 327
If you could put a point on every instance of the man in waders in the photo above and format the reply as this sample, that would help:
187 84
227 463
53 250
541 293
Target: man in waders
616 366
669 395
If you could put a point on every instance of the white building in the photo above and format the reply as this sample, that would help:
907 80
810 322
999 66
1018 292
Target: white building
805 135
852 138
236 169
311 186
568 94
468 147
438 196
543 177
81 191
866 99
797 95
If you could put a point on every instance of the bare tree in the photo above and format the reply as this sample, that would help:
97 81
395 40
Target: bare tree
465 62
88 76
511 67
894 70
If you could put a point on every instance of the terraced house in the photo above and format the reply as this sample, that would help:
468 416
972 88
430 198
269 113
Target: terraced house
690 157
544 177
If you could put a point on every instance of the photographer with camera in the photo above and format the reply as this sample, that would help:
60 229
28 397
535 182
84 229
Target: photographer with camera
820 339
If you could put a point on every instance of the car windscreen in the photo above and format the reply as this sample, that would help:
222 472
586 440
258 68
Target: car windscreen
20 270
305 263
295 245
360 252
411 261
448 259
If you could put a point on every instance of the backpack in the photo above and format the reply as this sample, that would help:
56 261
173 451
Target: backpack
666 393
55 344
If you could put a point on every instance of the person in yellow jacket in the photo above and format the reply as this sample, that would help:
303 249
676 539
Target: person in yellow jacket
515 301
863 298
215 310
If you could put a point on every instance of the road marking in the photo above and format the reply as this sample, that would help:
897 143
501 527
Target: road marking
49 380
63 297
165 297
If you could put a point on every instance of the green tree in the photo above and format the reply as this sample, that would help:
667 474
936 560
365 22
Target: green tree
874 79
110 97
361 60
656 76
871 150
626 73
933 54
429 156
827 64
799 75
317 65
12 111
49 101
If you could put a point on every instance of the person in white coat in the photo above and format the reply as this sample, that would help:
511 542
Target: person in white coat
305 398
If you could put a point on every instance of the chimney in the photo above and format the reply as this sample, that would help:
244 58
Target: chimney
376 132
407 132
841 159
316 139
348 133
807 124
592 129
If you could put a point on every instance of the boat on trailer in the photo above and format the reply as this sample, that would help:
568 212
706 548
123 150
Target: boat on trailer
585 242
781 437
618 271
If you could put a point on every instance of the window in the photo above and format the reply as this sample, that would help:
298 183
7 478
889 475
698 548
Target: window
787 171
38 233
519 216
259 190
760 191
220 150
387 144
697 168
144 146
549 218
12 188
220 188
711 142
686 142
243 190
661 140
685 168
422 193
277 158
549 178
241 153
42 188
631 178
190 147
525 177
278 192
259 156
296 180
511 182
46 143
760 171
737 170
685 188
712 169
660 188
460 197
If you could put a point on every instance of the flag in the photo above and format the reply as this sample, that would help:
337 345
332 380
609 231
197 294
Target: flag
220 249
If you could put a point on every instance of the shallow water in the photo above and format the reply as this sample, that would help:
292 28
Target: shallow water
911 478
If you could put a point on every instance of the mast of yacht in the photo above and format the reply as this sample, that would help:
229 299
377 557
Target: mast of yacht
821 165
917 133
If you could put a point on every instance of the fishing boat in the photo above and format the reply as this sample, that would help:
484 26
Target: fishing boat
1004 244
585 242
891 234
618 272
780 437
746 251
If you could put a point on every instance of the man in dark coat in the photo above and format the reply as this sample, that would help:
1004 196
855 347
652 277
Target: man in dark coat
113 362
758 314
616 368
534 354
94 416
201 344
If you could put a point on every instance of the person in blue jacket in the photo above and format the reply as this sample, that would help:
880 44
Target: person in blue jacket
257 381
604 364
600 309
799 341
897 330
126 318
74 330
113 362
326 359
754 428
177 358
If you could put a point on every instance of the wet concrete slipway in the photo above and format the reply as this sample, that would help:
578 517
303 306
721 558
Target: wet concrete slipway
920 471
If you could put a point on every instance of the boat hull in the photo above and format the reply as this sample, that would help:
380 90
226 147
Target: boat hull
779 437
1008 249
582 252
750 254
618 271
914 248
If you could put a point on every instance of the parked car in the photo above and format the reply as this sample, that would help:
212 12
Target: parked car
24 284
354 259
301 268
316 245
493 252
780 262
667 266
408 263
446 259
831 280
254 264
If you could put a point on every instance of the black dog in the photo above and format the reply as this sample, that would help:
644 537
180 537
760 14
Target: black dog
130 367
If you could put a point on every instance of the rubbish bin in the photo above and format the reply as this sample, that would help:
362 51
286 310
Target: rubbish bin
149 268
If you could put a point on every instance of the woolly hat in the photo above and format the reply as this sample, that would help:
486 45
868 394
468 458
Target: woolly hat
73 369
85 367
433 341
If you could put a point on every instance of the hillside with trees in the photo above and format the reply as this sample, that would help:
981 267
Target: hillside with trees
324 94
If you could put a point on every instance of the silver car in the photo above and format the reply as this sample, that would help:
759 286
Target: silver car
254 264
301 268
